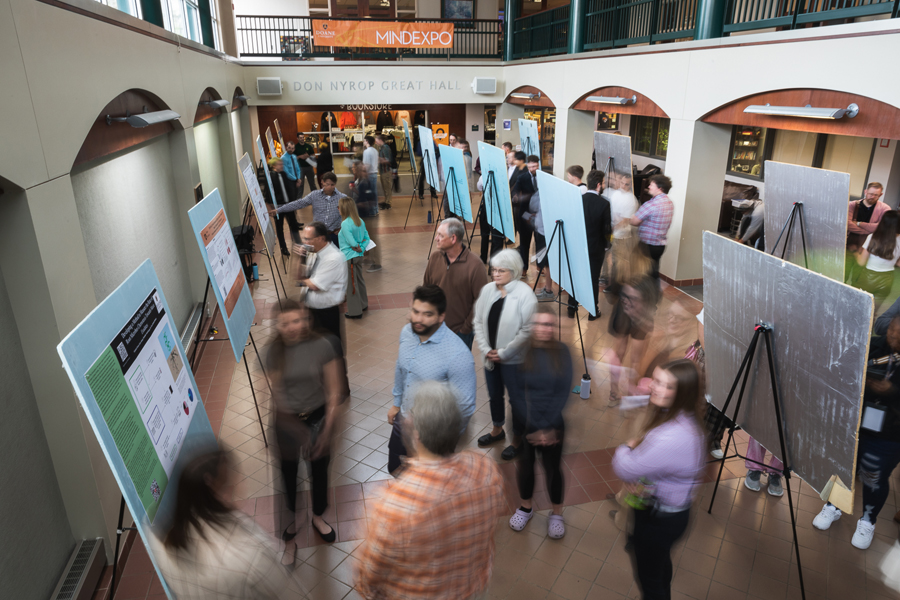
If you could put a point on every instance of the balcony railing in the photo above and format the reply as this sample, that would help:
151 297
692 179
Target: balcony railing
541 34
614 23
744 15
291 38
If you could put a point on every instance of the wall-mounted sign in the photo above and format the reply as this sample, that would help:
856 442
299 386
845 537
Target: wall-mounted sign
507 124
382 34
441 134
474 127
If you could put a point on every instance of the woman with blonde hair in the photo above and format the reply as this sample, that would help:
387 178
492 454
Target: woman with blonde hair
353 238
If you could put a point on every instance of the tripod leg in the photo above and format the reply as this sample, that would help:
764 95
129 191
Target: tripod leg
276 271
255 403
790 231
778 239
803 234
112 583
437 223
784 456
200 327
262 366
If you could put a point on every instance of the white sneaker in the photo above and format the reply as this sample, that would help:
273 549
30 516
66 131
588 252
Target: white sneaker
865 531
829 515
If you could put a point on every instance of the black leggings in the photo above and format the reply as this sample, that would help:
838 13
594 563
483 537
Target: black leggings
551 457
653 538
290 432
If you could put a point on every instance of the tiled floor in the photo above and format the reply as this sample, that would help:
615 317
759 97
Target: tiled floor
742 550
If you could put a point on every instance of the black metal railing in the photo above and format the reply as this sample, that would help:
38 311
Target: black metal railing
745 15
615 23
541 34
291 38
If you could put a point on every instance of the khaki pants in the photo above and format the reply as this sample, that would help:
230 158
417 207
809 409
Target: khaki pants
387 185
375 253
357 299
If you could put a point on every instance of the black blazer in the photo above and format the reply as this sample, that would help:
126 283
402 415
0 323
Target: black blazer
596 221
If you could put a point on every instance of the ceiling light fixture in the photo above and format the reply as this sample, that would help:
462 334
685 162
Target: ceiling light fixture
242 98
807 111
612 100
216 103
525 95
145 118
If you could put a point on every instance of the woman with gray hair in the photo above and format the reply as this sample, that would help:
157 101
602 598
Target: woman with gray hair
502 327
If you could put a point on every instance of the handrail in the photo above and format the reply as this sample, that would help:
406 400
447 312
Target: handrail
746 15
541 34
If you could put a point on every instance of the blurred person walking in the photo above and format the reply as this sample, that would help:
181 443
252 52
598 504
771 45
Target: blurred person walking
367 205
305 370
371 158
502 327
431 536
634 327
662 465
879 255
385 170
212 550
622 206
354 238
539 393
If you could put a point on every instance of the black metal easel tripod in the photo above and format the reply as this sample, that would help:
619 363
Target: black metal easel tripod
764 330
490 184
246 221
417 180
796 210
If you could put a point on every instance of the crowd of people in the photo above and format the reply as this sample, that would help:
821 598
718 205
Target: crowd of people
431 536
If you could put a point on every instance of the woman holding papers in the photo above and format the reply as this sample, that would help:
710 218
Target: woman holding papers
661 466
354 239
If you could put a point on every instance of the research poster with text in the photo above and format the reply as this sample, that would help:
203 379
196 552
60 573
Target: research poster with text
145 394
224 260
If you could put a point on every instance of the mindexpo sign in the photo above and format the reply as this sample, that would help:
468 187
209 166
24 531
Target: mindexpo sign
382 34
348 85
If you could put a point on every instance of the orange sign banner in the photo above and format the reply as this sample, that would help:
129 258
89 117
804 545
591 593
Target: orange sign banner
382 34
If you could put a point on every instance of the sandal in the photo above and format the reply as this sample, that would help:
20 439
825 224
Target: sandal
520 519
556 527
289 555
613 399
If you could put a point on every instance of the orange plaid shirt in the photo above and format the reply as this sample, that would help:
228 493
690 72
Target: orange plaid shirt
432 534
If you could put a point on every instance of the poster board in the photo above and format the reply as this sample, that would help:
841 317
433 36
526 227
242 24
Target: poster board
613 153
825 196
266 225
561 201
528 137
280 137
820 331
223 265
458 199
131 376
441 134
262 154
271 142
409 146
429 158
497 200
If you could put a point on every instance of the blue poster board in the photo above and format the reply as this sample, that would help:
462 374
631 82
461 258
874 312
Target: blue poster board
429 158
561 201
257 202
409 148
497 201
262 157
223 265
126 363
528 137
458 199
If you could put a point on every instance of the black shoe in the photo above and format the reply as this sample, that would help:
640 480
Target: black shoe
571 312
326 537
488 439
349 316
593 318
289 536
284 251
510 452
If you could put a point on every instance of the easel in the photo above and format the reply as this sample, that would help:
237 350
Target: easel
426 164
437 221
246 221
529 146
417 179
490 184
559 227
119 531
765 330
796 209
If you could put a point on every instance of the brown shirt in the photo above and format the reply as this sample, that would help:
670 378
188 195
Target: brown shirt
461 281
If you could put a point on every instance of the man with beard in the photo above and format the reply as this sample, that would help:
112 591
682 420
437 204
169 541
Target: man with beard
428 351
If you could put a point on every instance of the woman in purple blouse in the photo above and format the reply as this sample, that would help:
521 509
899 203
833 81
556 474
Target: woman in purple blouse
661 467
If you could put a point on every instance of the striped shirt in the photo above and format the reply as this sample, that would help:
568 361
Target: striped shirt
325 208
431 536
656 218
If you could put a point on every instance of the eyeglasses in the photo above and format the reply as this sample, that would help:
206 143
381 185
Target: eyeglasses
499 271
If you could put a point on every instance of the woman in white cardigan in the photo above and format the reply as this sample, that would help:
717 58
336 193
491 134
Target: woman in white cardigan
502 328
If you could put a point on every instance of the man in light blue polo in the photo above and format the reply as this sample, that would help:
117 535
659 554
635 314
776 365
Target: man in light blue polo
429 351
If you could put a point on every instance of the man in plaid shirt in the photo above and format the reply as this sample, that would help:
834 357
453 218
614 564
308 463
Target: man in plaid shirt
432 534
653 220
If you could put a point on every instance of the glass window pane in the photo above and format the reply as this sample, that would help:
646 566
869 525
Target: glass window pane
194 22
662 138
406 5
849 155
748 153
794 147
176 7
642 134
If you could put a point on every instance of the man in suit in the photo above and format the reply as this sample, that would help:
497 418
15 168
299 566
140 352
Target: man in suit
598 226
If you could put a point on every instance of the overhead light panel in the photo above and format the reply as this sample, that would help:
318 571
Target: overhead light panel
145 118
525 95
807 111
216 103
612 100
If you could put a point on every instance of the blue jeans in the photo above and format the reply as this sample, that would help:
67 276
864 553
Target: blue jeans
467 338
494 379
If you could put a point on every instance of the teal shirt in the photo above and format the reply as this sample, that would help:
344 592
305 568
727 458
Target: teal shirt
352 235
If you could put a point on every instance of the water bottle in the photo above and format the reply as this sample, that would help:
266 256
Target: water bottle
585 386
255 272
429 216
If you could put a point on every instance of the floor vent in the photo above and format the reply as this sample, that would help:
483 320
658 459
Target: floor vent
82 573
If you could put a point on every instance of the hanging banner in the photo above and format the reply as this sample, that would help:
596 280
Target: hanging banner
382 34
441 134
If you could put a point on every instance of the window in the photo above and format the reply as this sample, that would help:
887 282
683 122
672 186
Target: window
748 151
851 155
606 121
131 7
650 136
